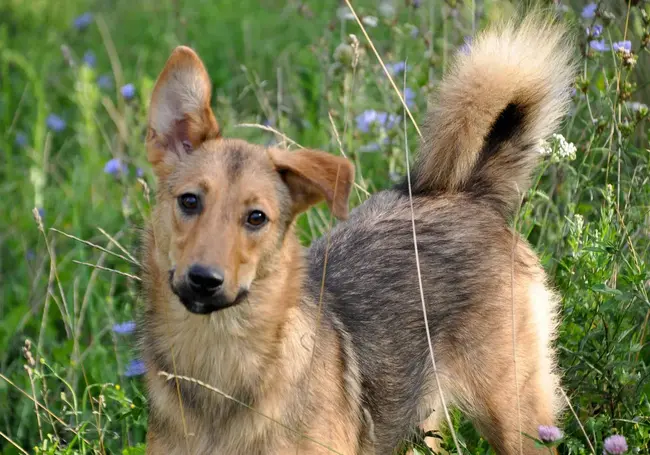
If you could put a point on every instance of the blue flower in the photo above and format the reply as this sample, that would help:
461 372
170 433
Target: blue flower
29 254
396 68
409 97
139 172
135 368
374 146
589 11
595 32
55 123
467 45
622 46
124 328
599 45
115 167
21 139
105 81
82 22
368 118
41 212
128 91
90 59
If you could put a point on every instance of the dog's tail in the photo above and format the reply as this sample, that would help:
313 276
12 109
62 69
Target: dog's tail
498 101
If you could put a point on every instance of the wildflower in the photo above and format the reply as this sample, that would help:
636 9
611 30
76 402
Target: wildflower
549 433
128 91
416 3
595 32
135 368
637 107
55 123
115 167
599 45
21 139
344 14
139 172
370 21
105 81
387 9
414 31
615 445
124 328
368 118
41 212
29 254
396 68
409 97
374 146
467 45
82 22
558 148
622 46
344 54
90 59
589 11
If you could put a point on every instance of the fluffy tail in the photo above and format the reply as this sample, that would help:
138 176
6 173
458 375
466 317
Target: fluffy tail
492 109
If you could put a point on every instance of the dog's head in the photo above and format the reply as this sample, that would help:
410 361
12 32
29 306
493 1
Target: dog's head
224 205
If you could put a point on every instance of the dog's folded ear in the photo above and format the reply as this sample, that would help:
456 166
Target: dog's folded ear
313 176
180 117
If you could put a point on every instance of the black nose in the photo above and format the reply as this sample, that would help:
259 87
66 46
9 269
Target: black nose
204 281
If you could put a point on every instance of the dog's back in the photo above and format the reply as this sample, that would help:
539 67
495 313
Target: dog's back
478 278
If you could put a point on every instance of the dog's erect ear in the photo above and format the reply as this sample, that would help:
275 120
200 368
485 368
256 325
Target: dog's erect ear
180 118
313 176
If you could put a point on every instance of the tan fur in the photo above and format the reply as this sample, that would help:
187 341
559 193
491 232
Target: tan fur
528 63
310 375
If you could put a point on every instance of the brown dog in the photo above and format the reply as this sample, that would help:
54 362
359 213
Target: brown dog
286 350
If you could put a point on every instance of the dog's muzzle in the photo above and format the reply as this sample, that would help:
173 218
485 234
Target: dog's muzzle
201 290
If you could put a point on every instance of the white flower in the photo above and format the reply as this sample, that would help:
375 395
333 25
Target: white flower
370 21
344 14
558 148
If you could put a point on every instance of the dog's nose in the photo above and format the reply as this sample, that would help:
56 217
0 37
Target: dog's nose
204 281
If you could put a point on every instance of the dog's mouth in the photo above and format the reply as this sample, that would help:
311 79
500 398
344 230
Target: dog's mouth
204 305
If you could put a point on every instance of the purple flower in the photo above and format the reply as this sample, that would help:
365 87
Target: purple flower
368 118
115 167
135 368
41 212
599 45
124 328
29 254
128 91
595 32
21 139
90 59
622 46
82 22
396 68
55 123
139 172
549 433
409 97
467 45
374 146
615 445
589 11
416 3
105 81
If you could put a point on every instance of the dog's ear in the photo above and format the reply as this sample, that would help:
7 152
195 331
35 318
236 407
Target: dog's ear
180 117
313 176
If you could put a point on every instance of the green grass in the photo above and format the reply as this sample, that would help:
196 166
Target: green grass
289 64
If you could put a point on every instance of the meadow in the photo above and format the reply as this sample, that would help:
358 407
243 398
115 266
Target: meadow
75 187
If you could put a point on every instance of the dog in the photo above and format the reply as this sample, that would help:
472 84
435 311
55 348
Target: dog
257 345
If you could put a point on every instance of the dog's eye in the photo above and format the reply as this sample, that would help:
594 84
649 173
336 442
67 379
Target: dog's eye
256 219
189 202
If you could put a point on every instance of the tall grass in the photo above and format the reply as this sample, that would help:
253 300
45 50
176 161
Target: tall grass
71 147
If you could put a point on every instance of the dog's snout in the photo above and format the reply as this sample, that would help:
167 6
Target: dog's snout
204 281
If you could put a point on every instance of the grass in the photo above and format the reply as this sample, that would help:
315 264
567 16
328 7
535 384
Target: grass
68 274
